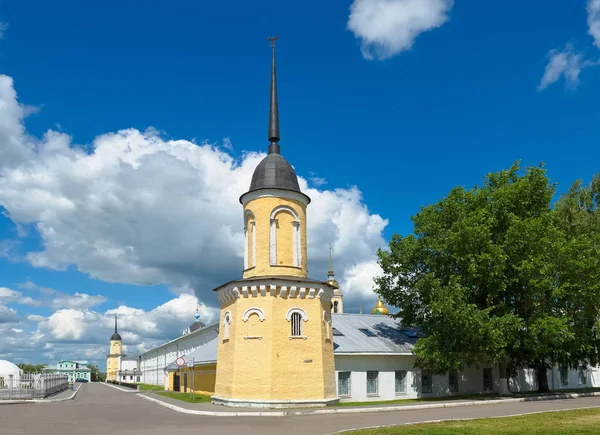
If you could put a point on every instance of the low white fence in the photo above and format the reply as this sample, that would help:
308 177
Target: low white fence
31 385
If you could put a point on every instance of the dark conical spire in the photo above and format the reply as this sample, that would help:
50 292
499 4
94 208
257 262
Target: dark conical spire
274 109
116 335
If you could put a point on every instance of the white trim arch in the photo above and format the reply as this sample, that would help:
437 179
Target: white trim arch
249 258
226 323
297 249
328 325
257 311
288 315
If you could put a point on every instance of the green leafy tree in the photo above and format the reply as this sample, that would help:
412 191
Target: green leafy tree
496 275
97 375
31 368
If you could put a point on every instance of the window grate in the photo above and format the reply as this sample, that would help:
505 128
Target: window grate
372 383
296 324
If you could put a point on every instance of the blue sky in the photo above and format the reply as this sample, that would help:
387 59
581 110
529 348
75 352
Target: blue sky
385 105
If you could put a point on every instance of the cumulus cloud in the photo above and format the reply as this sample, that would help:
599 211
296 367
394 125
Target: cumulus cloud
388 27
136 208
593 9
78 300
8 315
563 63
568 63
83 334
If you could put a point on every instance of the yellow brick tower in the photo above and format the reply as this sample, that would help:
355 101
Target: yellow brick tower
275 338
114 357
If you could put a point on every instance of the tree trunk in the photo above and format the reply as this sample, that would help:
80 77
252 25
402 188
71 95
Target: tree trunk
542 378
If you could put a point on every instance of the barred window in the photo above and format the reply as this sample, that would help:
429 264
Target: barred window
400 381
372 383
453 381
344 384
564 376
426 382
296 325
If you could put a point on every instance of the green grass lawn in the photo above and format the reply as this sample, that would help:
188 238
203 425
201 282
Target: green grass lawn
150 387
466 397
198 398
581 421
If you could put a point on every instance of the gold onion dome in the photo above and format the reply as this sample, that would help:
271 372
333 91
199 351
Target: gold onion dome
380 308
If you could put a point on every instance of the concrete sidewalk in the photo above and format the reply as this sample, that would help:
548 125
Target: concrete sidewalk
208 409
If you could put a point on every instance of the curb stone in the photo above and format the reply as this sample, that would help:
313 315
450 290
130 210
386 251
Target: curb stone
24 402
363 410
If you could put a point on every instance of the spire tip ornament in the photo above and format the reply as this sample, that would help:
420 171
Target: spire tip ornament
274 108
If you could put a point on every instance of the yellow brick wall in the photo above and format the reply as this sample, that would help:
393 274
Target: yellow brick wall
262 208
204 379
275 367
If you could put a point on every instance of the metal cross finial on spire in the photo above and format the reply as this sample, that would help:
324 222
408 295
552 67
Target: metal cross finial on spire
330 273
274 109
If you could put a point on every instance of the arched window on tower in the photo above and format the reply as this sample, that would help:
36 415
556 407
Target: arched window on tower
226 323
296 316
327 322
284 240
335 306
296 325
250 240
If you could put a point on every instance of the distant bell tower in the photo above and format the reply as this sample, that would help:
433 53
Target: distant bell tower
275 336
113 359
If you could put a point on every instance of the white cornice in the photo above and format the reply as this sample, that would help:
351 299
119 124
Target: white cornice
258 288
277 193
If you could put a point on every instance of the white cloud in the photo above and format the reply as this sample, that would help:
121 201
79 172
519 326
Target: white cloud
139 209
227 144
78 300
35 318
8 315
388 27
136 326
568 62
563 63
593 9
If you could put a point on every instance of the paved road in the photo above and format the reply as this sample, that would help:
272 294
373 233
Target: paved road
99 410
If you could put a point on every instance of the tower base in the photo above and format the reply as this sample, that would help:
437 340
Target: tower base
254 403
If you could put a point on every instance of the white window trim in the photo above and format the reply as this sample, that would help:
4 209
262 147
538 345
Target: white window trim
249 215
401 393
288 315
328 326
226 323
376 393
273 243
253 243
349 384
295 236
250 311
